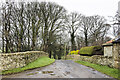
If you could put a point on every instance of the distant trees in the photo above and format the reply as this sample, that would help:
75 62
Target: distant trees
94 30
98 29
47 26
116 28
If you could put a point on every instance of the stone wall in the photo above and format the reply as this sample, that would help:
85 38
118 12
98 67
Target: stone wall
96 59
116 55
10 61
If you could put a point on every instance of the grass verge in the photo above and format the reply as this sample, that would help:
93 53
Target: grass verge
40 62
115 73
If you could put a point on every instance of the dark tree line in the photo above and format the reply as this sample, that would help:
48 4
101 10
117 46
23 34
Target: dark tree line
31 26
47 26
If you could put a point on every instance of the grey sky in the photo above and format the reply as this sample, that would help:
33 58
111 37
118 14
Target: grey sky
87 7
90 7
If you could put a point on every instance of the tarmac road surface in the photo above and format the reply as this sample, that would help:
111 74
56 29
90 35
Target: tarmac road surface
60 69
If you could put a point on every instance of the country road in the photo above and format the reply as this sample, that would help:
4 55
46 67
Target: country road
60 69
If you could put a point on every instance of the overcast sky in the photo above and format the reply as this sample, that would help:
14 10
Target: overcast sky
87 7
90 7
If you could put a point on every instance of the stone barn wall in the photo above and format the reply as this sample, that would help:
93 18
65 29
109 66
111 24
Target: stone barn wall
10 61
116 55
108 51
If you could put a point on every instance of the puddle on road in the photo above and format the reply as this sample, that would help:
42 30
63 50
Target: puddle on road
67 72
32 73
43 72
52 74
48 72
93 70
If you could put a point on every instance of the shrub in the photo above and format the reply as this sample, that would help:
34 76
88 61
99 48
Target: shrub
74 52
91 50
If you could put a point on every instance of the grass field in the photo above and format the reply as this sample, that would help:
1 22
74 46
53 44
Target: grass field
42 61
115 73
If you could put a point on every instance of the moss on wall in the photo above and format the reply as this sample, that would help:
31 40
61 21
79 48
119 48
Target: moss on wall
91 50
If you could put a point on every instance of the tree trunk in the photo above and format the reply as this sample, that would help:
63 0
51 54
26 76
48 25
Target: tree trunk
28 40
54 54
19 45
33 43
3 43
50 54
6 38
86 40
73 41
7 45
29 36
59 54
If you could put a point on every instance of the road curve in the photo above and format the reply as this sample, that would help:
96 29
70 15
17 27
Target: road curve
60 69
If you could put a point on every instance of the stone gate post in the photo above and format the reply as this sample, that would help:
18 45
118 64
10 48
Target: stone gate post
116 53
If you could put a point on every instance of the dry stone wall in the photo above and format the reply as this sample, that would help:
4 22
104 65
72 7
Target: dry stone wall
96 59
10 61
116 55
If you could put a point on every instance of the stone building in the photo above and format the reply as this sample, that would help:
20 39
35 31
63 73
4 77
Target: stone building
108 49
112 49
116 53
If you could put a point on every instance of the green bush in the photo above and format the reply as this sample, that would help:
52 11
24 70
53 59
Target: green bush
91 50
74 52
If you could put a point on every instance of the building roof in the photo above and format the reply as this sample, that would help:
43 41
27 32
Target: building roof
117 40
109 43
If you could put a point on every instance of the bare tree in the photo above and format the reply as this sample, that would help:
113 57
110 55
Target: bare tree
98 29
116 27
85 28
94 29
53 19
6 27
73 23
